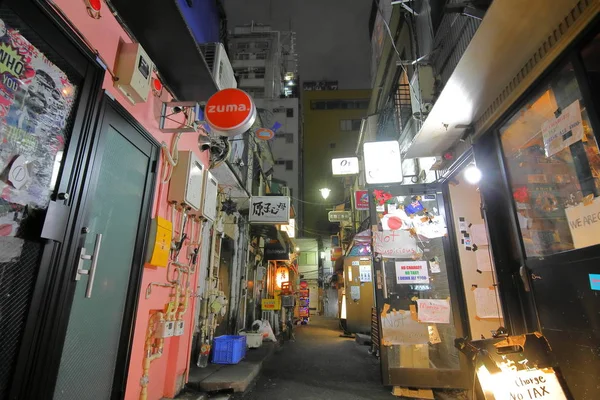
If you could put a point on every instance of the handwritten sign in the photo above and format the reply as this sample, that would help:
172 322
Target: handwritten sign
269 209
397 327
411 272
395 244
487 303
561 132
584 222
526 385
435 311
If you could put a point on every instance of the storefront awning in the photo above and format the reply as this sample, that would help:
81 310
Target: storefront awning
509 35
160 28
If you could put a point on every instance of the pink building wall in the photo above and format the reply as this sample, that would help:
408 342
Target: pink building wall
104 35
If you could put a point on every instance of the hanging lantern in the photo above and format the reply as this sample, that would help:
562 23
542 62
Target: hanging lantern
157 87
282 275
93 8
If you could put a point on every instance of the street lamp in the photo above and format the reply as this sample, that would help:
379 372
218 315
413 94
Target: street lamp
325 192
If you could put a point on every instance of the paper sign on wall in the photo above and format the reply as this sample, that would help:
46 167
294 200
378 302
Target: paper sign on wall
397 327
479 235
411 272
355 293
431 229
584 222
395 244
487 303
364 273
559 133
484 261
433 310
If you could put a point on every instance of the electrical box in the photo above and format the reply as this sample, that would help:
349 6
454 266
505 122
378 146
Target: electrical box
159 239
133 70
179 326
187 181
209 203
165 329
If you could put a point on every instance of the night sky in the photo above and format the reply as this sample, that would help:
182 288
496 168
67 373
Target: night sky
332 36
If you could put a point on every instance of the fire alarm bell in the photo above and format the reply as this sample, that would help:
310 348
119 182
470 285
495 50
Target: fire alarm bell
133 72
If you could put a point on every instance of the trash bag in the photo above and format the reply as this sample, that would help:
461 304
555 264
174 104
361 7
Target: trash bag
264 327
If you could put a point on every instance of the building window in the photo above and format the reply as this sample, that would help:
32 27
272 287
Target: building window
261 56
339 104
242 46
289 164
554 164
243 56
350 125
289 137
289 112
261 45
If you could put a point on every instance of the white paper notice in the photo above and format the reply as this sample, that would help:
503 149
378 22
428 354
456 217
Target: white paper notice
435 228
584 222
487 303
434 266
435 311
484 261
479 235
398 327
364 273
355 292
535 384
559 133
395 244
411 272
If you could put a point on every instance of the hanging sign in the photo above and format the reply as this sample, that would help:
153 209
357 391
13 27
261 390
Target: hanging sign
230 112
339 216
282 275
275 251
395 244
269 210
344 166
382 162
361 200
264 134
434 311
559 133
412 272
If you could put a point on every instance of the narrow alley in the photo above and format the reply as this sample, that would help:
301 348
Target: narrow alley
320 364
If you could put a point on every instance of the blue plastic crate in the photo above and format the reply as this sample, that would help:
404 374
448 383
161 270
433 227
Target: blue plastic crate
228 349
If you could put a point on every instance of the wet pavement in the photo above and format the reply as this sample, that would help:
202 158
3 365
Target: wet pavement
319 365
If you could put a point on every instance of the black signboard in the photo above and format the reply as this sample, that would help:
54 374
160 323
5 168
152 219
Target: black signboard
275 251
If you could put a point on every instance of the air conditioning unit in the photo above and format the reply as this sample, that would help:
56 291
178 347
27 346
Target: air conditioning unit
219 65
422 86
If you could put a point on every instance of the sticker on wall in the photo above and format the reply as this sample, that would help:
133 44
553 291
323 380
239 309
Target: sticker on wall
411 272
462 225
355 293
595 281
365 273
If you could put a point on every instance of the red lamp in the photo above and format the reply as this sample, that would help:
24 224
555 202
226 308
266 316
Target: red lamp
93 8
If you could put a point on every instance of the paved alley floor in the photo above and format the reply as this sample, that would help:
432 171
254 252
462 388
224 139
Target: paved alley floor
319 365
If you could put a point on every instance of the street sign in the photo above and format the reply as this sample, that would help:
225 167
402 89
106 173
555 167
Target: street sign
344 166
340 216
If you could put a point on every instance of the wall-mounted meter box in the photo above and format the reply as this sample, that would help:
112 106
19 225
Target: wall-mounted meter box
133 69
187 181
209 203
159 242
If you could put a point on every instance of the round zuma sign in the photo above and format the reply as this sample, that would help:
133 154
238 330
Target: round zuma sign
230 112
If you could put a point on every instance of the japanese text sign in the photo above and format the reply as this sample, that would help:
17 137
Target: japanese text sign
269 209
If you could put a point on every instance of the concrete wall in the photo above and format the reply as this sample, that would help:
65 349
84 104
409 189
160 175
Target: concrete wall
168 372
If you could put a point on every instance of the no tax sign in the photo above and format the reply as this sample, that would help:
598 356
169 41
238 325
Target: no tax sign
230 112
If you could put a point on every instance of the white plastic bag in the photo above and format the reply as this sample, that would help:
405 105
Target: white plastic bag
264 328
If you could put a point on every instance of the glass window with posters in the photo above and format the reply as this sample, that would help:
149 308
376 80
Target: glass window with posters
38 91
554 166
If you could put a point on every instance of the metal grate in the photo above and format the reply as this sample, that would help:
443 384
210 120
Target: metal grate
17 279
